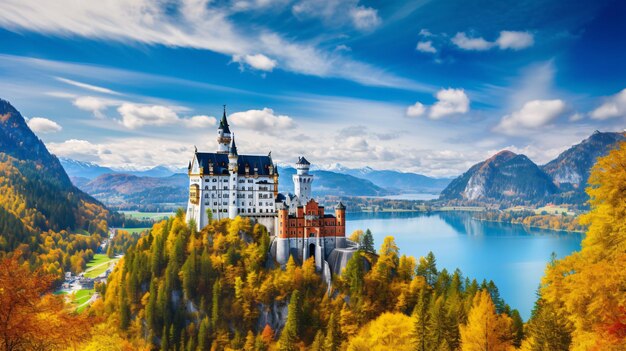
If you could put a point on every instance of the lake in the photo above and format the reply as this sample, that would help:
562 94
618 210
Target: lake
511 255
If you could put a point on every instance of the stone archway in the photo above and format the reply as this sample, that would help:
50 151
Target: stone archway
312 250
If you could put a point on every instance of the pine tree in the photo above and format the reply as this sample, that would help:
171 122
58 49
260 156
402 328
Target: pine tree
318 342
289 335
368 242
485 330
215 305
437 324
124 309
332 342
204 335
165 345
190 275
421 320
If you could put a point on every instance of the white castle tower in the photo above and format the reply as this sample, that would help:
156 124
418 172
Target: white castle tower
302 181
233 159
223 135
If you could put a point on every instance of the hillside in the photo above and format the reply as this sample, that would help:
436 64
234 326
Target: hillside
570 170
36 194
504 176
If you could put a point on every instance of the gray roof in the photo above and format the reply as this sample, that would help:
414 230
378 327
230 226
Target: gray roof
302 161
220 163
224 123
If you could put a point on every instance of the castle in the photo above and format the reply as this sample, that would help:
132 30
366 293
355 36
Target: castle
225 184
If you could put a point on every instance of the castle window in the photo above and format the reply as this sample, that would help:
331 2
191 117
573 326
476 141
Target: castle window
214 180
213 187
206 187
206 196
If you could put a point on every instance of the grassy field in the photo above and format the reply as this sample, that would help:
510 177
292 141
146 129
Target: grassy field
152 216
81 297
134 230
98 265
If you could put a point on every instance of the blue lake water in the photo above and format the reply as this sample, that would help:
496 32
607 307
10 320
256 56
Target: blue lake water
511 255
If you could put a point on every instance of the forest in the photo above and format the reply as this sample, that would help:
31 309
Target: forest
216 289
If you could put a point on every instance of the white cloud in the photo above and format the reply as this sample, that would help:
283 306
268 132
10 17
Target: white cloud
449 101
200 24
43 125
614 106
334 12
94 104
258 61
514 40
87 86
425 33
200 121
464 42
135 116
576 117
265 121
426 46
532 115
416 110
364 18
75 149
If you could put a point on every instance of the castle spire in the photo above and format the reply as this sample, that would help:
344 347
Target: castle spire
224 123
233 147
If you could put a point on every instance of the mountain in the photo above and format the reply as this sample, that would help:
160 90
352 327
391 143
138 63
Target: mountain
570 170
394 181
129 191
331 183
90 170
504 176
37 195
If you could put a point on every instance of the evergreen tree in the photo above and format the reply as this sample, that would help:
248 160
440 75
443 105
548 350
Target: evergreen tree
353 274
547 330
190 275
318 342
165 345
124 309
437 325
204 335
427 268
215 305
421 320
289 335
368 242
332 342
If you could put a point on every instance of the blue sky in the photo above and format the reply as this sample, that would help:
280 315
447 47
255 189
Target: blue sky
424 86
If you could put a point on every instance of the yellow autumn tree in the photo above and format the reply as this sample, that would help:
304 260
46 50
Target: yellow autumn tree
390 331
485 329
588 287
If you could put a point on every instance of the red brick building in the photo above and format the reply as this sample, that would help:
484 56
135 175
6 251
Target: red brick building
310 220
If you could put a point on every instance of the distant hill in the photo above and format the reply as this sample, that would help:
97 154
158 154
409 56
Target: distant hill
88 170
37 195
395 181
332 183
504 176
514 179
127 191
92 170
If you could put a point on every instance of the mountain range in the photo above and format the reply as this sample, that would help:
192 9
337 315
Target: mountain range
37 195
163 187
514 179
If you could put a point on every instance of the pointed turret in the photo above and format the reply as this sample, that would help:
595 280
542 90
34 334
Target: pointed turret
223 135
224 123
233 148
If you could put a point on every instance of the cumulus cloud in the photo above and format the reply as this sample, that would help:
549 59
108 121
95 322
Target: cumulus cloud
532 115
75 149
95 105
449 101
43 125
87 86
264 121
258 61
512 40
464 42
426 46
200 121
614 106
416 110
425 33
364 18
